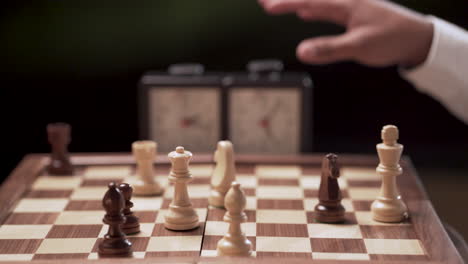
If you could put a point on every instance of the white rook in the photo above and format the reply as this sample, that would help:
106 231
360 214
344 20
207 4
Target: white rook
145 152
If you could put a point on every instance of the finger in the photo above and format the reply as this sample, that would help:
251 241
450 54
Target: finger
283 6
323 50
336 11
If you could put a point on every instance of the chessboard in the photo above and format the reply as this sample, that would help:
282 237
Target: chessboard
45 217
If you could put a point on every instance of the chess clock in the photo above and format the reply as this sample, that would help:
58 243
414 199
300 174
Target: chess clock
182 108
268 110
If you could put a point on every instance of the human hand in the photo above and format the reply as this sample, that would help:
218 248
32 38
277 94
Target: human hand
378 33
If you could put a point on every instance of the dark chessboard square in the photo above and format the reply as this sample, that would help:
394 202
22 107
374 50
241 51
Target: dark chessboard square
49 193
61 256
280 204
388 232
196 203
139 243
84 205
310 193
215 214
251 216
364 183
162 169
342 245
74 231
249 191
284 254
278 182
160 230
211 242
146 216
172 254
200 180
31 218
406 258
311 170
245 169
282 230
99 182
19 246
350 218
361 205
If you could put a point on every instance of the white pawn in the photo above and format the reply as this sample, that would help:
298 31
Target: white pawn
235 243
224 173
144 152
181 215
389 207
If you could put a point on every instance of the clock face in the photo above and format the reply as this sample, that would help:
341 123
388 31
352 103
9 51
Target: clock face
186 117
265 120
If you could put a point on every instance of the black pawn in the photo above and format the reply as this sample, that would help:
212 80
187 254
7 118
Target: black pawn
115 243
58 135
329 209
132 224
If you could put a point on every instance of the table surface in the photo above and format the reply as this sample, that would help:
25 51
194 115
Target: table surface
424 223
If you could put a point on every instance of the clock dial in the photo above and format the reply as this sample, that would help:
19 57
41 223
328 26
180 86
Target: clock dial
265 120
186 117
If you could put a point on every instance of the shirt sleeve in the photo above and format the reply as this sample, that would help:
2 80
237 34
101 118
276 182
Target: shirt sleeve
444 74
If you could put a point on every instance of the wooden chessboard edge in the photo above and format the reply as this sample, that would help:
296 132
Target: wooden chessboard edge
432 233
223 260
18 182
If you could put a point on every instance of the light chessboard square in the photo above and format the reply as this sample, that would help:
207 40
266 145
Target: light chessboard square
363 193
340 256
175 243
89 193
279 192
365 218
278 171
195 191
249 181
318 230
217 228
394 246
283 244
201 170
107 172
16 257
359 173
56 183
24 231
147 203
40 205
281 216
79 218
73 245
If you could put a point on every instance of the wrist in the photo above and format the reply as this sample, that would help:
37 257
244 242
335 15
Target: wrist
419 51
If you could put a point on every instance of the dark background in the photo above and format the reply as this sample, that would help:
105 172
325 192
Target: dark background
78 62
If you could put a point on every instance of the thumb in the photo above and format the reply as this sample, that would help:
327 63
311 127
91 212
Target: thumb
323 50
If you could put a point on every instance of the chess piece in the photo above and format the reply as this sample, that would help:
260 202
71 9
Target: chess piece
224 173
389 206
181 215
144 152
115 243
131 224
59 138
235 243
329 208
